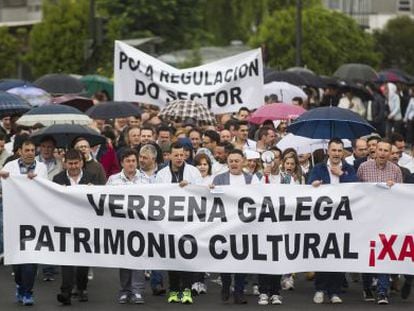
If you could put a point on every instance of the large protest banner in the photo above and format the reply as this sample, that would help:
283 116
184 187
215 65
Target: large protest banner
224 86
253 229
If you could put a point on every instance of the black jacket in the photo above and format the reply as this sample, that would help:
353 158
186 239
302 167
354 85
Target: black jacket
62 179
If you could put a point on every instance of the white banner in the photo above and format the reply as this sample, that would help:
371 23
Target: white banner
224 86
274 229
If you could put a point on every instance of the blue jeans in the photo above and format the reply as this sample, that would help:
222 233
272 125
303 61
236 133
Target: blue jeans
383 283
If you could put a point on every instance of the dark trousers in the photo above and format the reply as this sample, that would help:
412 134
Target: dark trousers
269 284
239 279
70 274
198 277
329 282
383 283
180 280
24 276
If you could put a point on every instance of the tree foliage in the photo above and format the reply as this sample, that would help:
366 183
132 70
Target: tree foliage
8 56
58 43
329 39
396 42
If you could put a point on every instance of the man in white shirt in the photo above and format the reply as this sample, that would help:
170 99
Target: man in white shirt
240 140
25 274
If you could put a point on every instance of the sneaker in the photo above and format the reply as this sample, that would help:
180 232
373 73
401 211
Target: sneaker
255 290
318 297
48 278
202 288
263 300
27 300
123 299
288 283
136 299
19 295
382 299
187 297
195 288
83 296
368 295
147 275
173 297
90 274
335 299
405 290
276 300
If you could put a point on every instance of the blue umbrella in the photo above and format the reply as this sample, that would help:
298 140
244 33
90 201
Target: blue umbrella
11 104
34 95
7 84
330 122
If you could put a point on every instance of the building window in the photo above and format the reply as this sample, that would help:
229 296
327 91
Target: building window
404 5
14 3
334 4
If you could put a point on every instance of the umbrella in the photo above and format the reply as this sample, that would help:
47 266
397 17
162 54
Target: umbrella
111 110
11 104
54 114
285 76
7 84
179 110
330 122
78 102
276 111
65 134
59 84
34 95
97 83
356 73
300 70
356 89
391 76
285 91
304 144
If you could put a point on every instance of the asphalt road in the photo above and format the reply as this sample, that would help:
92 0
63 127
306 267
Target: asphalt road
103 293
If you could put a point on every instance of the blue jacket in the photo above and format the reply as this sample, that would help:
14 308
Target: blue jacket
320 172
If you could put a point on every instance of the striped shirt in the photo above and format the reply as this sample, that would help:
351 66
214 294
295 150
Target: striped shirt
139 178
370 172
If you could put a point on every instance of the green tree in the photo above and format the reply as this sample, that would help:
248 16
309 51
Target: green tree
8 56
330 39
396 42
57 44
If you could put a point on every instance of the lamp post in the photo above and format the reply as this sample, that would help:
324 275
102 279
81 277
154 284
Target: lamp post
298 54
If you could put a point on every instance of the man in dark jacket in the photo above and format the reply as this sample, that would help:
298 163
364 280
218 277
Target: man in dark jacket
71 176
333 171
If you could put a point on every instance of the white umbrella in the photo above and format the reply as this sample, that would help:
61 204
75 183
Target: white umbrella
285 91
304 144
54 114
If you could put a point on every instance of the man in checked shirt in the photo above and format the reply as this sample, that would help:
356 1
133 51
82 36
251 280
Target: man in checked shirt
379 170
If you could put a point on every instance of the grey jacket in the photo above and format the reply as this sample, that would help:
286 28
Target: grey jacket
224 179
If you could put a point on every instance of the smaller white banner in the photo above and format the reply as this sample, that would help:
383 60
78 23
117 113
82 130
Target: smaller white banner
224 86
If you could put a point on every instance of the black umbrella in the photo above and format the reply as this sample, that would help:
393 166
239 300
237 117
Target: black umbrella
65 134
356 89
111 110
60 84
11 104
285 76
356 73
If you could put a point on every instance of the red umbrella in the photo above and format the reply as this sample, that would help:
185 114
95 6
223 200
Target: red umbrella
276 111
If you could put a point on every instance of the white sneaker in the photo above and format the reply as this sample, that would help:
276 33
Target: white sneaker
335 299
276 300
318 298
90 274
288 283
263 300
195 288
255 290
202 288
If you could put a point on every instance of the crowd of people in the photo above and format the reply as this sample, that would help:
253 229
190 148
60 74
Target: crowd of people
144 149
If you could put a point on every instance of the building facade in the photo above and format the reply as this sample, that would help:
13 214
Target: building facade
20 12
372 14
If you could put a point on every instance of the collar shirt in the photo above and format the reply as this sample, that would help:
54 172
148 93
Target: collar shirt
121 179
191 174
75 181
334 179
370 172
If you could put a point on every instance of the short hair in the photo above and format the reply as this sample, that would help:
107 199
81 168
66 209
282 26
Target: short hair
48 138
240 123
243 109
194 129
164 128
298 99
230 123
387 141
335 140
354 142
176 145
199 157
226 145
73 154
213 135
373 137
263 131
27 141
149 148
277 149
236 151
147 128
128 152
396 137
